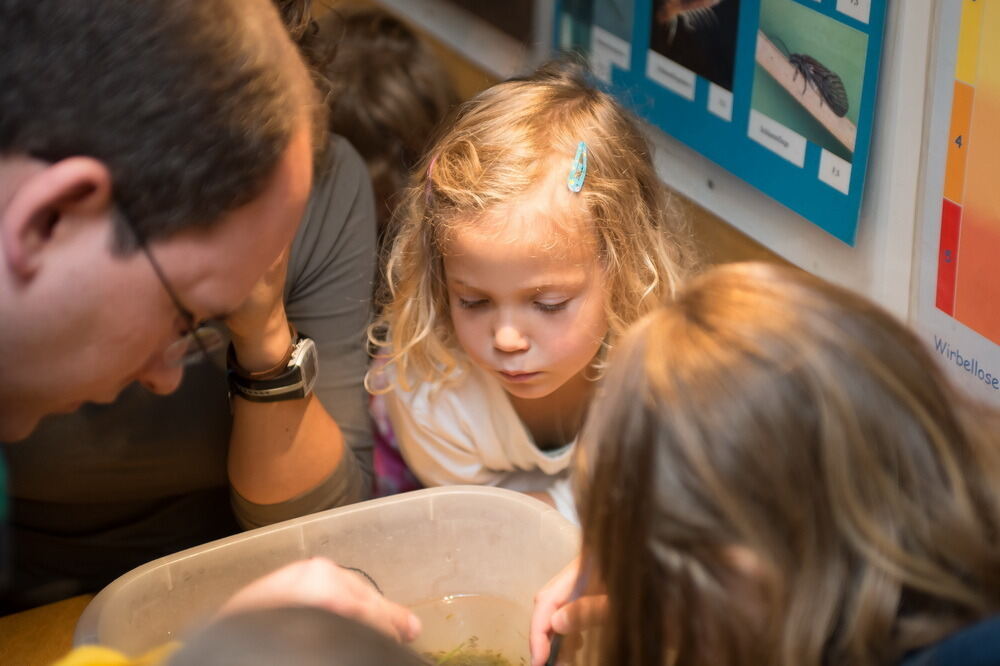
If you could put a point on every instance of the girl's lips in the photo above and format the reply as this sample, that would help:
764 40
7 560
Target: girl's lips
518 376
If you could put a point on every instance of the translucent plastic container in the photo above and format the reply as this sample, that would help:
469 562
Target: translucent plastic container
429 549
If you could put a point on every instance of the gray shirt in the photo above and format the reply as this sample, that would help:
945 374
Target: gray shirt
100 491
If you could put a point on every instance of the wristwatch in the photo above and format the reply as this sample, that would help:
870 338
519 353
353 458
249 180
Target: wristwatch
292 381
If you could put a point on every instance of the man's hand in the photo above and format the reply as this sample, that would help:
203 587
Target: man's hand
554 613
259 327
321 583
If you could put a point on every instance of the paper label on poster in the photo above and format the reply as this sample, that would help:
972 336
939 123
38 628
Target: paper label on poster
776 137
856 9
835 172
607 50
670 75
720 102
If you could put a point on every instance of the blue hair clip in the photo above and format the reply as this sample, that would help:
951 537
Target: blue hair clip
578 173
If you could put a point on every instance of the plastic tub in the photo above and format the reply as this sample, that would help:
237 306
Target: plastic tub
419 547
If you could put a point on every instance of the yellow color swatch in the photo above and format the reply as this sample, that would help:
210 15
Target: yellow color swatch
968 40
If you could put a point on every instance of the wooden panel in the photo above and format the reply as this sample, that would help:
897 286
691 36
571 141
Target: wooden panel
720 243
41 635
467 78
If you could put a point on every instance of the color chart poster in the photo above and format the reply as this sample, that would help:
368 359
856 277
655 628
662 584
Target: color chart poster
779 92
958 300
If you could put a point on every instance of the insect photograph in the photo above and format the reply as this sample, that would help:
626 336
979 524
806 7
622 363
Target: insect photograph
699 35
825 59
815 74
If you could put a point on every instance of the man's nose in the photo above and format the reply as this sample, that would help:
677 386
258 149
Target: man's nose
161 378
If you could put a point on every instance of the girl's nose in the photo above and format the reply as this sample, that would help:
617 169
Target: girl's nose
508 338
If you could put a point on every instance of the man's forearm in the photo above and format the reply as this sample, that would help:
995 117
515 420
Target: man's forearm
280 450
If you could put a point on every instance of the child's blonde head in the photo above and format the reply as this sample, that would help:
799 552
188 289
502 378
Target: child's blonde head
767 412
502 145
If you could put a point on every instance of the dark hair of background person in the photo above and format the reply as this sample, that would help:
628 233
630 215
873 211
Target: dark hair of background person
298 17
180 100
388 94
295 636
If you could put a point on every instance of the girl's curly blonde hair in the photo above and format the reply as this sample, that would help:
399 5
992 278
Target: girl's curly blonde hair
501 145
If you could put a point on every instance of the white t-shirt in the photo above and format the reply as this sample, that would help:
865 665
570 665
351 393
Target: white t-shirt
467 432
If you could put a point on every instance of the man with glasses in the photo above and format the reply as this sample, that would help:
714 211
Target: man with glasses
155 160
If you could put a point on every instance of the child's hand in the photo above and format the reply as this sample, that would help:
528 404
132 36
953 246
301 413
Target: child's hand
553 615
321 583
543 496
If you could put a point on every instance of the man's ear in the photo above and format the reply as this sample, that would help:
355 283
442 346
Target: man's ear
73 187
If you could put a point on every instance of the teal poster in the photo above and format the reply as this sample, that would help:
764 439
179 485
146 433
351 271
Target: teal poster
779 92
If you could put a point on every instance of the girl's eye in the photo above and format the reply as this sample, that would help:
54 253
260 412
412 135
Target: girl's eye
469 305
551 307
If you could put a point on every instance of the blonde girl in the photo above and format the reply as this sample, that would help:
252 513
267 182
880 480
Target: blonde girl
779 473
506 286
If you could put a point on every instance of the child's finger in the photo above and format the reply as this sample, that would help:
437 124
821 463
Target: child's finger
582 614
392 619
547 601
540 633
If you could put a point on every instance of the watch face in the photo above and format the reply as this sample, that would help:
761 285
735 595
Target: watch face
310 364
307 359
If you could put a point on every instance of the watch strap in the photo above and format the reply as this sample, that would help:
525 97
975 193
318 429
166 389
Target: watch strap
288 386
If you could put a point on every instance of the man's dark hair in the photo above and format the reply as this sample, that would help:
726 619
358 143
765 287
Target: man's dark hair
189 103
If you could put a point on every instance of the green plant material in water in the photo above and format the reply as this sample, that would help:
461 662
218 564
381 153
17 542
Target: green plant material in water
469 658
467 654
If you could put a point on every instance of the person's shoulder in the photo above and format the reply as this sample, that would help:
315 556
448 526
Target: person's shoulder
342 167
338 227
339 181
976 645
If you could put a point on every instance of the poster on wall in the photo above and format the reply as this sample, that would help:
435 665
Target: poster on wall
957 304
779 92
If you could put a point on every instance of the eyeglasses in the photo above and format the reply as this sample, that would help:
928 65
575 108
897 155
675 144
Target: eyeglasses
199 341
